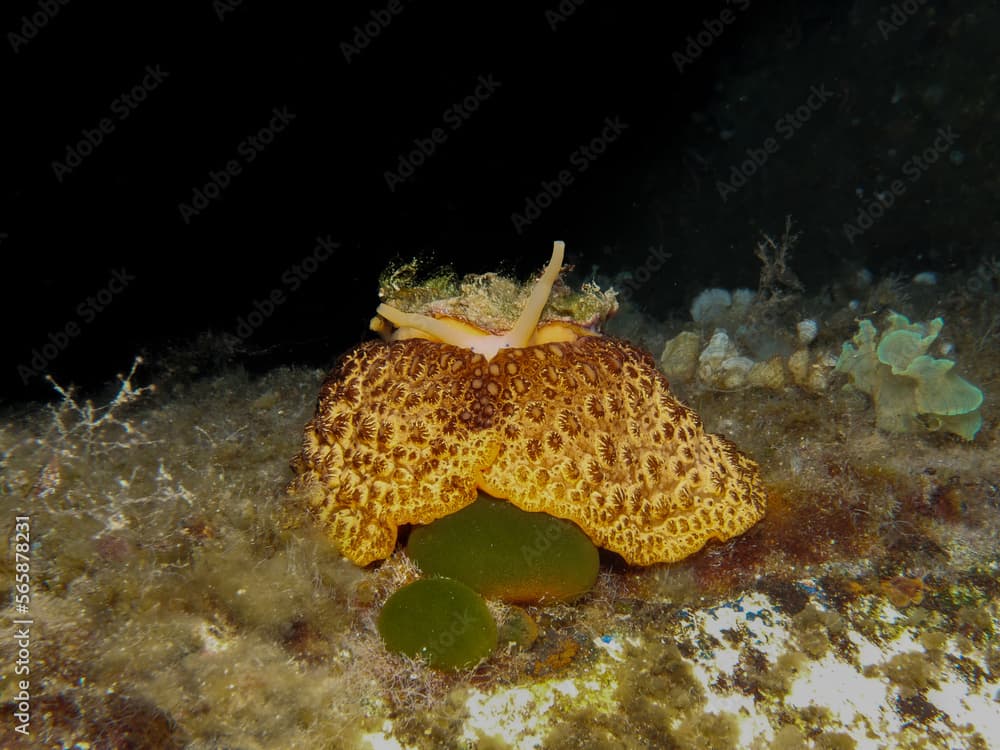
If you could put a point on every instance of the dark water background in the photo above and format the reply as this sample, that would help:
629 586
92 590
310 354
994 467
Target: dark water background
173 170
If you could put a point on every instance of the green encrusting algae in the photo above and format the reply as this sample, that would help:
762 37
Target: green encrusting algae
439 620
506 553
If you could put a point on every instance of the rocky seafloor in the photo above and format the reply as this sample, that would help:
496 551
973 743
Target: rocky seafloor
177 601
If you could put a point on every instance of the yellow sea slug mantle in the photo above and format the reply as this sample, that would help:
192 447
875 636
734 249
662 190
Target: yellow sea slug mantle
553 418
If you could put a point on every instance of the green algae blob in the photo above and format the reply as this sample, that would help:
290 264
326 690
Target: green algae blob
506 553
439 620
519 629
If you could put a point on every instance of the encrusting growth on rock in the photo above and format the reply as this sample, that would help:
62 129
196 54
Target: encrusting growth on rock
556 419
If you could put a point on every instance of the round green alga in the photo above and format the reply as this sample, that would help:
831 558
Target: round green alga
439 620
506 553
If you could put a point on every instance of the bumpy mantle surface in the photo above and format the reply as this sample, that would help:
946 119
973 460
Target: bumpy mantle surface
407 431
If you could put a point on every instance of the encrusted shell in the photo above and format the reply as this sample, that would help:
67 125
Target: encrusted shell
408 431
